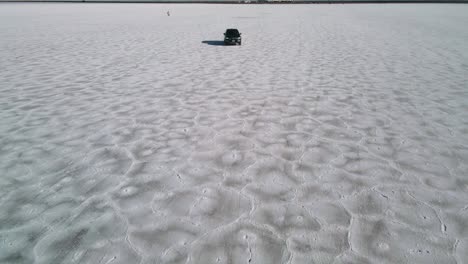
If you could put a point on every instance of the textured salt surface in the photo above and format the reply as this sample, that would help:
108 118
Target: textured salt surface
335 134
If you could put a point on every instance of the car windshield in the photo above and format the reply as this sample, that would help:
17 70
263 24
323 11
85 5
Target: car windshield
232 33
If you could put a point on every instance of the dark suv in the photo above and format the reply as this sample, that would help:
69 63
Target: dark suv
232 37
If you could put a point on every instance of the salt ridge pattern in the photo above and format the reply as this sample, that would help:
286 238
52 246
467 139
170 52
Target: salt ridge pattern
334 134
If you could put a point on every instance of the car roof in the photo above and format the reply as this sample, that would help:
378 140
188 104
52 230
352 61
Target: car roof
232 29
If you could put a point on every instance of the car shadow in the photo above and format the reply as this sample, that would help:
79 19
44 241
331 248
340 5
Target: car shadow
214 42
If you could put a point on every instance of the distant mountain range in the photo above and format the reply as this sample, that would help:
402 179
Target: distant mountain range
249 1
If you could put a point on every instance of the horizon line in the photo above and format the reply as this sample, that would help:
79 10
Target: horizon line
247 2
